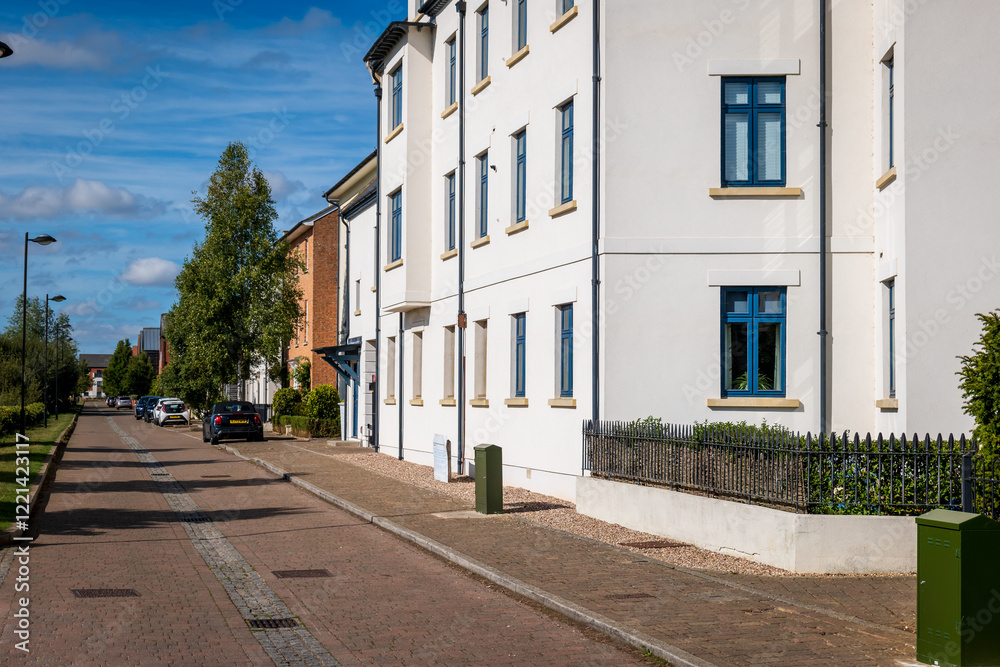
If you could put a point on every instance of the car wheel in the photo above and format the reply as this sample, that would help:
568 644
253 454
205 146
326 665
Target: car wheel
204 438
214 440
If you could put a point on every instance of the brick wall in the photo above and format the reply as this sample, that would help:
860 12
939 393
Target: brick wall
319 285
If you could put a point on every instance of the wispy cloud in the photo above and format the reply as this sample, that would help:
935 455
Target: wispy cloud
151 271
137 302
314 20
82 197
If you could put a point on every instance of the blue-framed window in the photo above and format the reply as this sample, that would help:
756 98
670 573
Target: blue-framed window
521 175
519 364
484 195
753 131
567 5
451 211
484 43
522 24
566 152
396 242
891 297
889 64
753 341
397 96
452 71
566 350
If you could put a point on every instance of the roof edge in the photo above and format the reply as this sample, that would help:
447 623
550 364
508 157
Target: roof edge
433 7
385 42
358 167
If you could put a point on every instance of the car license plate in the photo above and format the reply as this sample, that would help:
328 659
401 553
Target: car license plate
175 417
237 421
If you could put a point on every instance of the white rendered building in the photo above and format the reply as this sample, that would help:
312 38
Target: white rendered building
724 182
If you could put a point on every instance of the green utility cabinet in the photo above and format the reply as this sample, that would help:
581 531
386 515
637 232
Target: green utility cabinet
958 589
489 479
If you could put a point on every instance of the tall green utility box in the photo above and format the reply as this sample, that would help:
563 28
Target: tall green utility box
958 589
489 479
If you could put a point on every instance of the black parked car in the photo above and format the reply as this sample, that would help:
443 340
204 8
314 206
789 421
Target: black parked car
144 405
232 419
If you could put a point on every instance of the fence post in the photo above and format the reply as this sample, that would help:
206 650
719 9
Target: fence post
967 482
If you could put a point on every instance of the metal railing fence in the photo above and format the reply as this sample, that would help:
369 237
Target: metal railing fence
769 465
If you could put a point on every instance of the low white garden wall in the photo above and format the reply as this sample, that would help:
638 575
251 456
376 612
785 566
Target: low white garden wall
805 543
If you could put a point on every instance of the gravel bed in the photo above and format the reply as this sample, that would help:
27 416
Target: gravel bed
561 515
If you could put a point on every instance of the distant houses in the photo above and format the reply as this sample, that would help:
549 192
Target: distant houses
98 363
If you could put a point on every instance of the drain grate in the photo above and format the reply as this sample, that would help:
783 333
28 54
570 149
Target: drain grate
654 544
301 574
105 593
272 623
194 517
629 596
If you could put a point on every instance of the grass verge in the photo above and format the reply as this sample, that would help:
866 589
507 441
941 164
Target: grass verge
42 439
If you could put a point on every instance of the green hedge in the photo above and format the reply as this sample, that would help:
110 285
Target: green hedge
307 427
10 417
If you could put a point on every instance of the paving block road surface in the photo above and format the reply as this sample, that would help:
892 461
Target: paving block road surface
158 549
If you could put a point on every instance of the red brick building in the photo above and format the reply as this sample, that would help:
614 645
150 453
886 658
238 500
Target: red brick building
316 242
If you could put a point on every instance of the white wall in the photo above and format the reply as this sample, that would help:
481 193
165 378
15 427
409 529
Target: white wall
803 543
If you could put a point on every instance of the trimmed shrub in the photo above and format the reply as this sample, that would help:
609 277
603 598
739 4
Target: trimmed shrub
285 402
323 402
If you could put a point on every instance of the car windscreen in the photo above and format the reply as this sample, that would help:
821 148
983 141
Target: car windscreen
235 406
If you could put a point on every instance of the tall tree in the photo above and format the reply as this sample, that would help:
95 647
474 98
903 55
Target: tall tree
238 292
980 384
139 375
115 373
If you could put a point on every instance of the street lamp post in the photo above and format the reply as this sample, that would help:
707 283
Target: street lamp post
45 371
44 239
58 348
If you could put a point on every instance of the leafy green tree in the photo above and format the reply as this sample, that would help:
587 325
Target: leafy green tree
115 380
139 375
238 291
62 355
980 384
83 382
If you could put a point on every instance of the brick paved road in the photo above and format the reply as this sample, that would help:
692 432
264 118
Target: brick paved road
109 525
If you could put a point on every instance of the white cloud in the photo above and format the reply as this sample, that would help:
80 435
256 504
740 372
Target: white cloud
315 19
151 271
82 197
93 49
281 187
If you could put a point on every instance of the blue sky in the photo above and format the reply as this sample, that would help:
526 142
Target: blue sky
112 112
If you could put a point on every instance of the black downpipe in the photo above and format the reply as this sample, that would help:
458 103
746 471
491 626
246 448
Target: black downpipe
399 394
378 254
346 329
595 281
822 218
460 7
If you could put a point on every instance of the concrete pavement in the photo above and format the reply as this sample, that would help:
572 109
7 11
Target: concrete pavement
687 616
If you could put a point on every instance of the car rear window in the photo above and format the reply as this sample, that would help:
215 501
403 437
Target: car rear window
235 406
173 407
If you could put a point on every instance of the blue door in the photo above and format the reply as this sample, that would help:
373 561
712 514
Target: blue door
354 412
